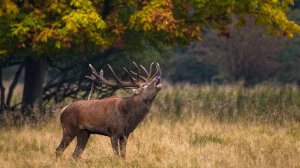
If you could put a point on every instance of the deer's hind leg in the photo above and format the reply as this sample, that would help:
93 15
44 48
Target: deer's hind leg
69 134
66 140
82 139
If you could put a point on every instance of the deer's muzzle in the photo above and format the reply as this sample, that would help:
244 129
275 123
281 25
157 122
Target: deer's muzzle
158 84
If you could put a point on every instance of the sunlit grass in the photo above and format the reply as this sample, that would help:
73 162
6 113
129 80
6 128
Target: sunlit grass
186 127
194 142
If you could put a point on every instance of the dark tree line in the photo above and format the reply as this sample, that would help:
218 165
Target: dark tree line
245 54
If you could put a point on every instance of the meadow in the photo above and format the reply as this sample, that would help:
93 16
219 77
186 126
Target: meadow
187 126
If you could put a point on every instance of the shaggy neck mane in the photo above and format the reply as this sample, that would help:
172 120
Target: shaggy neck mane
135 109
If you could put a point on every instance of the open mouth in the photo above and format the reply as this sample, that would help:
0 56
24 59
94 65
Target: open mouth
157 81
158 85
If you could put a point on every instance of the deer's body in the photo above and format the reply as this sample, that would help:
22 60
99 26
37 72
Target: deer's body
114 117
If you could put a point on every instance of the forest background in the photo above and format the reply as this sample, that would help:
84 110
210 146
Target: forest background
230 73
47 45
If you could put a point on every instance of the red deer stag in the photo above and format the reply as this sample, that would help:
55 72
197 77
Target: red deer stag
114 117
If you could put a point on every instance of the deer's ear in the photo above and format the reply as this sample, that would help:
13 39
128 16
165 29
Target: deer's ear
136 91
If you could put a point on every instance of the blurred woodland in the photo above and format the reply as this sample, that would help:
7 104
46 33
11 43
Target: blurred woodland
46 45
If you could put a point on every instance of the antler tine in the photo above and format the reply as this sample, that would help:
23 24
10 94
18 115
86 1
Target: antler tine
130 76
95 75
138 71
142 78
98 78
94 71
106 82
148 73
157 71
145 70
92 77
114 74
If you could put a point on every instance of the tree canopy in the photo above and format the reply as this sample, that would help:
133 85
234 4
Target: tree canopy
44 25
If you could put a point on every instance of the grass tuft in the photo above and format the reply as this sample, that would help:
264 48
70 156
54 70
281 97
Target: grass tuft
204 139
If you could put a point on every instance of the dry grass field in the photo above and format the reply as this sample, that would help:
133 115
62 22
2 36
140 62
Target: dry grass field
186 127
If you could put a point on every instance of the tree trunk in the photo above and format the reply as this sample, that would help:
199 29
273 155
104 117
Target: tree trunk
13 85
2 93
35 70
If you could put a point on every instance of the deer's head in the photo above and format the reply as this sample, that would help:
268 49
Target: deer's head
144 86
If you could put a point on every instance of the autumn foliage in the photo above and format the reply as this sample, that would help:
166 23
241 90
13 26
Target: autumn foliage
63 23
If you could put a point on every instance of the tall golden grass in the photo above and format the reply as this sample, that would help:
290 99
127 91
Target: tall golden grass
186 127
265 103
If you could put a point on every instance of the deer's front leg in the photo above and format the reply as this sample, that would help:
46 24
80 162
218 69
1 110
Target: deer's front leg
123 142
115 145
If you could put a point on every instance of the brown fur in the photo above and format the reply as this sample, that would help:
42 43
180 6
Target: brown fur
114 117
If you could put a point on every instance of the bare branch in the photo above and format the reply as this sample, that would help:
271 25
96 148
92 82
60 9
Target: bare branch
14 84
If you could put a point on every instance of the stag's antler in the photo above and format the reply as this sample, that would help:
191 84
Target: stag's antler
149 74
135 77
